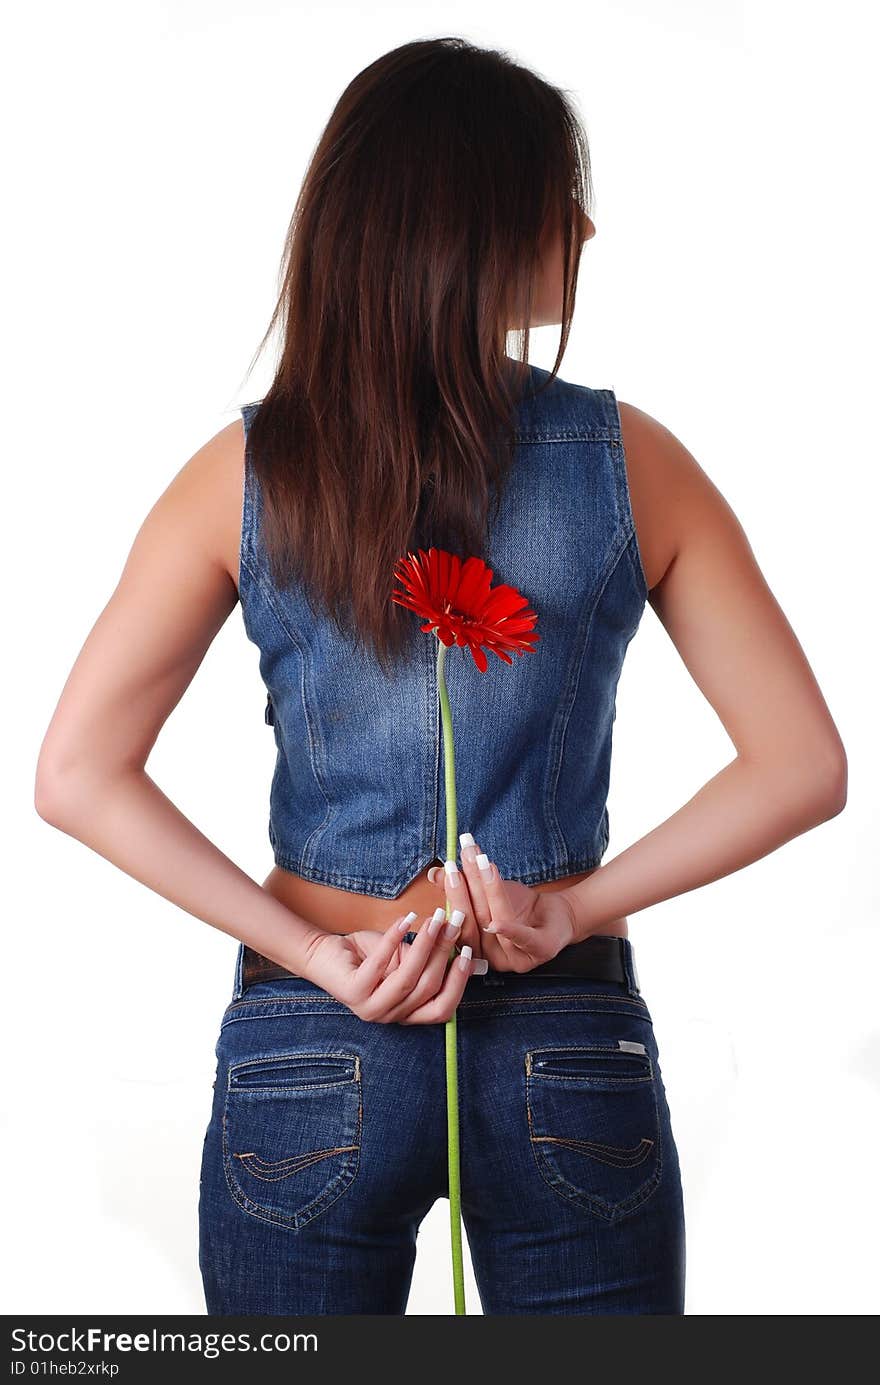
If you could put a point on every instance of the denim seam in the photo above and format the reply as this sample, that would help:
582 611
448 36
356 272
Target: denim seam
238 979
509 1000
535 435
623 493
486 1006
355 883
316 744
247 544
293 1087
582 643
595 1082
624 502
632 548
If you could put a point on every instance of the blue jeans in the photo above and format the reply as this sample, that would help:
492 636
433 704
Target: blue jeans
327 1146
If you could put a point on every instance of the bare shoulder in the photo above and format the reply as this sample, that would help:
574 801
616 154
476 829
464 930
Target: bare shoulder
208 490
674 501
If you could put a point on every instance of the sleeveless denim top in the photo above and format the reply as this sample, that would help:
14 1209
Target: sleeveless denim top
357 799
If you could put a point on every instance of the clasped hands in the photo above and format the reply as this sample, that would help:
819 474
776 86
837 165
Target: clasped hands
384 979
514 926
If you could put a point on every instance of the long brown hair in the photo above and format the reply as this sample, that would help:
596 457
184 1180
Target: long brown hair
412 246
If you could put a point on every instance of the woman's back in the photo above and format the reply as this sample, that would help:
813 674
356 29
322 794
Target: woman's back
358 794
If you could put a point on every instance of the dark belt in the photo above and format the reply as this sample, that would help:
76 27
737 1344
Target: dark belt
598 958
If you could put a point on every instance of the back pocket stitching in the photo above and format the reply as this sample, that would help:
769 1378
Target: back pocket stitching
618 1158
345 1177
610 1212
296 1162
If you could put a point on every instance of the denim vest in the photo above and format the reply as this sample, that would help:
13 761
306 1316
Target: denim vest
357 799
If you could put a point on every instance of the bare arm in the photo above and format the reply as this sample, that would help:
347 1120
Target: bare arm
790 770
173 596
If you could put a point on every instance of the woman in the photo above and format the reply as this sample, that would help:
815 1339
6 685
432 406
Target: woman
445 205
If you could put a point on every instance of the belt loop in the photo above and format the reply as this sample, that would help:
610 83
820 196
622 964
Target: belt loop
627 956
238 986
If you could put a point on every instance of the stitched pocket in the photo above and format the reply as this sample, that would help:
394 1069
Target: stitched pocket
594 1124
292 1133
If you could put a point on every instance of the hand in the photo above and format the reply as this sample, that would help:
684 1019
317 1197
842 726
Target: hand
383 979
520 926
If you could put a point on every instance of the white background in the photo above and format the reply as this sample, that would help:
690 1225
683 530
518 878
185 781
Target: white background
155 152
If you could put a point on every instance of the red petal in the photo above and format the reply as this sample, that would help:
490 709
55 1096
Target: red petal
480 659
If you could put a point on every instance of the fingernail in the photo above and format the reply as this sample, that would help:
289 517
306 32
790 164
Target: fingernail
481 966
491 928
432 875
464 957
436 922
466 839
404 924
453 927
484 863
452 874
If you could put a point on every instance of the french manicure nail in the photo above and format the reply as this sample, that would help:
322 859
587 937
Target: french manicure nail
454 925
435 925
491 928
404 924
452 874
465 956
483 863
466 839
481 966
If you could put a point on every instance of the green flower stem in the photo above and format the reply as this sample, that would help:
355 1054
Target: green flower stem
451 1030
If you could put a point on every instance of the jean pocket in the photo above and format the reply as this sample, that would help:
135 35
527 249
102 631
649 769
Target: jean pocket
292 1133
594 1124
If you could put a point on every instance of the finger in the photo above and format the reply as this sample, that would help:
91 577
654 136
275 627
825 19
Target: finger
459 897
431 979
373 968
444 1004
495 890
476 888
495 946
498 952
523 935
449 880
395 988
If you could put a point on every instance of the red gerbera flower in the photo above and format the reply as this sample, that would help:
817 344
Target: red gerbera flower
458 598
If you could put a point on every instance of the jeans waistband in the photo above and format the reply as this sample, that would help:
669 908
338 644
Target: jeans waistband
571 961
